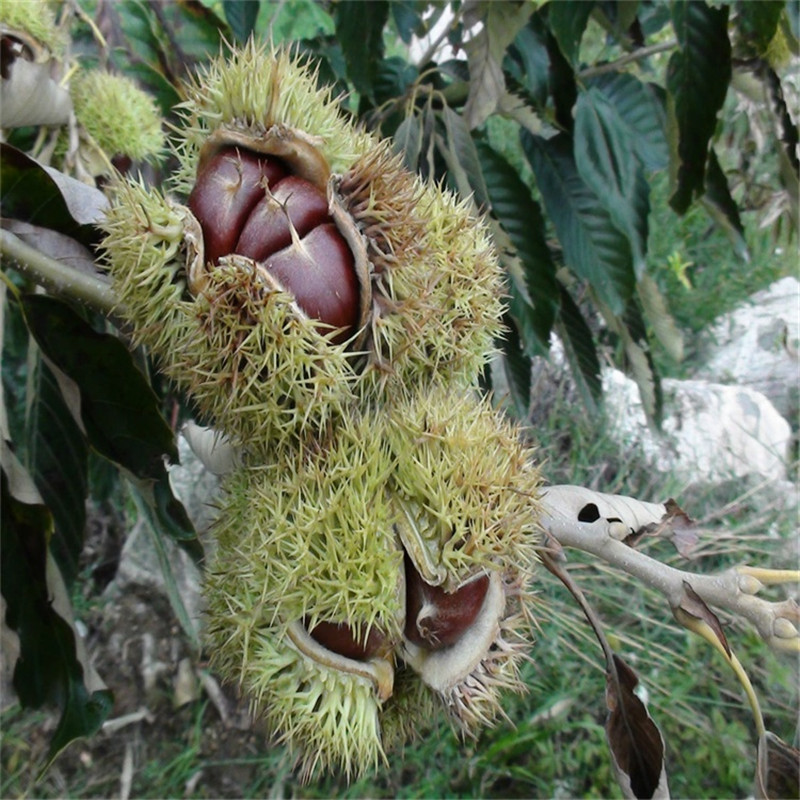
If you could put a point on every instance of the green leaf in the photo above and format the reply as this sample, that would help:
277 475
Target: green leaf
241 16
150 506
604 157
407 18
658 317
698 75
530 51
119 410
593 248
521 218
722 207
462 147
48 669
408 141
359 29
641 108
43 196
517 367
485 53
568 20
57 459
562 84
756 25
576 336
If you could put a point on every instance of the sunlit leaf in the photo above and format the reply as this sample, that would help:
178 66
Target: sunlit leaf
485 52
658 317
593 247
698 75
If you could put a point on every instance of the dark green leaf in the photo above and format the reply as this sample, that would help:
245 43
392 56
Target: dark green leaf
43 196
633 332
641 107
394 76
408 141
241 16
48 670
119 410
57 458
722 206
172 518
462 146
603 155
517 367
359 29
756 25
530 52
407 18
563 87
698 75
520 217
568 20
580 351
593 247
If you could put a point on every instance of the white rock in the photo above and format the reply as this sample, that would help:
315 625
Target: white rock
758 345
710 433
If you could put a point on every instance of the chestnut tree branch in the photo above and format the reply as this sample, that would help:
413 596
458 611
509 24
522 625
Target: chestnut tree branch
603 525
56 276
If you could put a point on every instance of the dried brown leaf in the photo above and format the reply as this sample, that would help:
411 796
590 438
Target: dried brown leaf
636 744
778 768
694 605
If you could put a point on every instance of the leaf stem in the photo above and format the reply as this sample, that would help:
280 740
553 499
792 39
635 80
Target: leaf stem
57 277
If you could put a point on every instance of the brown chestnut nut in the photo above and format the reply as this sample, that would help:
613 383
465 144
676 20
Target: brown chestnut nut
339 638
249 204
436 619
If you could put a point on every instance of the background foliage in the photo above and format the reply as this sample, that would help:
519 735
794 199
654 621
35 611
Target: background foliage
637 162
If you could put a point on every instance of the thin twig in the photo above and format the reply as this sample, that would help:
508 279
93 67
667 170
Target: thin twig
628 58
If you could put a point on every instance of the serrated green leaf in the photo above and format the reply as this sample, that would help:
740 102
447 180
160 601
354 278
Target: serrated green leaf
359 29
579 348
698 75
517 368
407 19
568 20
241 16
520 217
722 207
640 105
485 53
465 154
603 156
593 248
57 459
119 410
529 50
394 76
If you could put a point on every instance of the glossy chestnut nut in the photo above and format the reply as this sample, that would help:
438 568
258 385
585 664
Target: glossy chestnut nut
250 204
339 638
436 619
